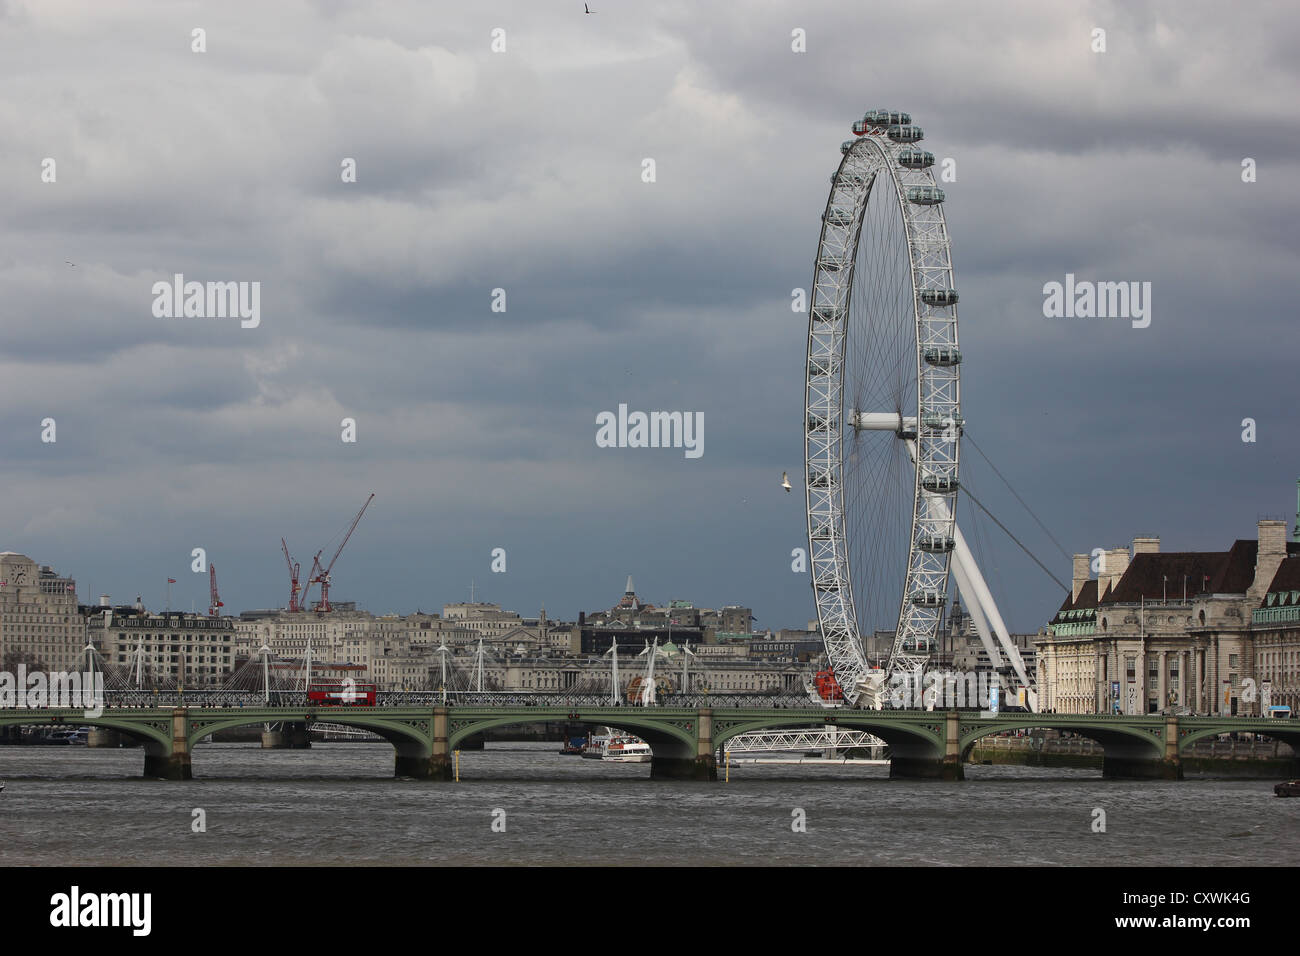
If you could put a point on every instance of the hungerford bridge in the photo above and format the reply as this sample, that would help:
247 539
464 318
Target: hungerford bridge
685 732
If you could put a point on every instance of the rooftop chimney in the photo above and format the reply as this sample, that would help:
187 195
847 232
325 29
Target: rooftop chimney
1146 545
1272 549
1114 568
1082 564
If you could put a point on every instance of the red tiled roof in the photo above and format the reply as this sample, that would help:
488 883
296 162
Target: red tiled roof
1149 575
1153 576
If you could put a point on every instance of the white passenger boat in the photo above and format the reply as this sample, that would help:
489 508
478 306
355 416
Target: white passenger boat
625 749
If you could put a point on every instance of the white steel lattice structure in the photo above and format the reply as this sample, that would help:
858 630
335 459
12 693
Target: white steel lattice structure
801 741
882 365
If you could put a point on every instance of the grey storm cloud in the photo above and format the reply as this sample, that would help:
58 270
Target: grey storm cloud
522 171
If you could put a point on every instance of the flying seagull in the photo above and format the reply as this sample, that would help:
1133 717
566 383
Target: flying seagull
785 482
586 9
71 263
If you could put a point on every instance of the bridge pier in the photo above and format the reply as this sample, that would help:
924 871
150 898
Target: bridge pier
434 767
292 736
924 768
703 766
173 765
435 764
921 767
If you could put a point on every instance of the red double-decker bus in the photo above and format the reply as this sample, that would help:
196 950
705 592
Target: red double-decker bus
347 694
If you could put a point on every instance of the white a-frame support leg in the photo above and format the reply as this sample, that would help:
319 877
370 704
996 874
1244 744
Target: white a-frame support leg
983 609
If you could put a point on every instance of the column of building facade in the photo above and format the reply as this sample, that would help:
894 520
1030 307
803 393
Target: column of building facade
1162 679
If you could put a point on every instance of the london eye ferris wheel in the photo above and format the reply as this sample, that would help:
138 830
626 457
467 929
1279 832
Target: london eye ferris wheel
883 422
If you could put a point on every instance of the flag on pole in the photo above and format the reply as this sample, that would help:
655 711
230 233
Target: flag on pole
171 580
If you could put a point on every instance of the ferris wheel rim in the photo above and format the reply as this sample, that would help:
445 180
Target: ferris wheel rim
877 157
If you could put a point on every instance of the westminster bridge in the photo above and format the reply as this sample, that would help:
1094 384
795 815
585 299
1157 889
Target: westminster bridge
685 732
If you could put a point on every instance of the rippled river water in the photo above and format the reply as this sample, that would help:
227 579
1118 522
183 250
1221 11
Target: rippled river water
338 804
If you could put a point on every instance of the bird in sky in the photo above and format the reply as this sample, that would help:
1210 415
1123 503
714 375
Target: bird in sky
71 263
586 9
785 482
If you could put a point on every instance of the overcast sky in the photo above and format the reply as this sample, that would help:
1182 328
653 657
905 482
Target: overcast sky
522 170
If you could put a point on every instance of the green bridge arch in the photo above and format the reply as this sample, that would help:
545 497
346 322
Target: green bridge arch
668 732
155 728
1117 739
684 741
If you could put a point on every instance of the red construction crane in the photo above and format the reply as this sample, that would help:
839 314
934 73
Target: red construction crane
323 576
214 600
293 577
303 603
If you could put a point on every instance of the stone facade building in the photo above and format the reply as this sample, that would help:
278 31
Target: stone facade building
1200 632
39 623
188 650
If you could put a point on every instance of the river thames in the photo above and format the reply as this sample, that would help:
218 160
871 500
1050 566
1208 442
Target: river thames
338 804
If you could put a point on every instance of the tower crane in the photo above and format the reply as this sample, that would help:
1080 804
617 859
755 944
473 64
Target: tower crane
214 600
293 577
323 575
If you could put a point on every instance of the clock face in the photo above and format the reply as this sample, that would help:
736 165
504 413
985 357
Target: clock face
20 576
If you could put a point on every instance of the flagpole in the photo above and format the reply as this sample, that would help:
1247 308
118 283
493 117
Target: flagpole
169 594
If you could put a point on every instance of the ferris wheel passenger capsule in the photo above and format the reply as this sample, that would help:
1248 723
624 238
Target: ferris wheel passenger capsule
939 297
860 128
943 357
820 479
838 217
846 146
939 484
905 134
915 159
823 365
935 544
928 599
925 195
886 118
936 422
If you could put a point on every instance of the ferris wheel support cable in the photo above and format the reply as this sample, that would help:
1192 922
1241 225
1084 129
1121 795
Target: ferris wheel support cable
1031 554
967 436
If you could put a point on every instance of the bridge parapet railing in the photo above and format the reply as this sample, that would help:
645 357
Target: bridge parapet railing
298 699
